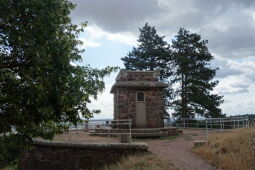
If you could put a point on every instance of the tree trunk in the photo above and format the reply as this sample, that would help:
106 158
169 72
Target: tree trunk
184 103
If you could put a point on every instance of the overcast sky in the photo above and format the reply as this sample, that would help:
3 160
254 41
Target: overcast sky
228 25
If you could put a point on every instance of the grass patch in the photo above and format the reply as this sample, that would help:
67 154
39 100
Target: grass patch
233 150
146 161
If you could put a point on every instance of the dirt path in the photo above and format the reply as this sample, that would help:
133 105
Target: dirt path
178 150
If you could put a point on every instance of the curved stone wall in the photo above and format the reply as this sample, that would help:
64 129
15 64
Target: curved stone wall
52 155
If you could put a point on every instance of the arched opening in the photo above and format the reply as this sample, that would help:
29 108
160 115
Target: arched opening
140 96
140 110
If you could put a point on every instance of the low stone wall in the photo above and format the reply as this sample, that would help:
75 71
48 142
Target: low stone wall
140 132
50 155
171 131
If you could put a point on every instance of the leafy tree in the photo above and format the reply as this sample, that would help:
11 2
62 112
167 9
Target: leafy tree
152 53
41 89
191 60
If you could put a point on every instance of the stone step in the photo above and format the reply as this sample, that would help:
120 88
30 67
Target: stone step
135 135
143 130
146 135
138 132
148 130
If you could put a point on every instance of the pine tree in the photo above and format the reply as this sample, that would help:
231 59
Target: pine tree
152 53
191 59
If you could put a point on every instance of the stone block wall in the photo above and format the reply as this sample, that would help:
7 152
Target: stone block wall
48 155
136 76
125 105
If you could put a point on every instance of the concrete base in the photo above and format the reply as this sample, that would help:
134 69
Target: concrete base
199 143
138 132
125 138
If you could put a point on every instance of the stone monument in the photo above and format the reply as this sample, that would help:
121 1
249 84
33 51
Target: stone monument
138 95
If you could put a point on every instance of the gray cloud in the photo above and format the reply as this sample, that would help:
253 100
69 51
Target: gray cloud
241 86
224 72
234 42
115 15
238 90
225 69
229 25
251 77
235 88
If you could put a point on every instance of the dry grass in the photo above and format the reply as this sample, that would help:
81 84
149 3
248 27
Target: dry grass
233 150
142 162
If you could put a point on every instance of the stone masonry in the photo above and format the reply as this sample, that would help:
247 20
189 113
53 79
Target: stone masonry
52 155
128 83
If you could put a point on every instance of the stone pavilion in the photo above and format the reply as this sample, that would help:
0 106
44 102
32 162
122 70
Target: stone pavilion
138 95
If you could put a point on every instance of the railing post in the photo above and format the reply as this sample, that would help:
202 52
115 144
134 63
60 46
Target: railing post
86 122
211 122
130 130
108 137
220 124
77 130
206 129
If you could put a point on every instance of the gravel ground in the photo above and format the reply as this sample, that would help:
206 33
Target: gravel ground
178 150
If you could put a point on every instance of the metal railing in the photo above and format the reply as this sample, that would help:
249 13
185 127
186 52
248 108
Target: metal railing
107 129
210 123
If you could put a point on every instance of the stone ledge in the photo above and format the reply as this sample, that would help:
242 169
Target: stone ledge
199 143
52 155
83 145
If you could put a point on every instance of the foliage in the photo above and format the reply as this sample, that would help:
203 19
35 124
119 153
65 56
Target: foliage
186 65
11 147
191 60
42 88
152 53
